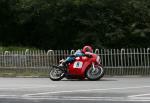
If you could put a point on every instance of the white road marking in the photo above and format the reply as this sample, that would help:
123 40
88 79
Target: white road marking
41 96
65 98
87 98
139 95
24 87
87 90
8 96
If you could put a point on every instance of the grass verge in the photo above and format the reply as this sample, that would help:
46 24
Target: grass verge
11 73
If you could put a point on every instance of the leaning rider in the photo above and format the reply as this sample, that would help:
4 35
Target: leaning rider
86 50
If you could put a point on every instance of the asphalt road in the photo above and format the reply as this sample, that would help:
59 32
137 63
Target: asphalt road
107 90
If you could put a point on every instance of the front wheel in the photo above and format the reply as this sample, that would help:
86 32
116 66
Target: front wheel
56 74
95 74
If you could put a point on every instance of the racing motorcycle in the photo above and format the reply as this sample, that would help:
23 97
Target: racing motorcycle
88 66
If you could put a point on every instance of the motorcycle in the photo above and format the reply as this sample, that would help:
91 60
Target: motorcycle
88 66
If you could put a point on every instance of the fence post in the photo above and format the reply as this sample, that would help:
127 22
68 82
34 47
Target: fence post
105 56
148 49
111 58
145 63
26 56
118 60
97 51
102 56
128 58
51 54
114 54
72 52
121 72
108 60
138 57
5 54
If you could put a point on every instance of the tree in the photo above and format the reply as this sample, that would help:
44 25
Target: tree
67 24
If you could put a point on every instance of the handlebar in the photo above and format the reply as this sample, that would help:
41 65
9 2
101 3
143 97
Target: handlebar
87 55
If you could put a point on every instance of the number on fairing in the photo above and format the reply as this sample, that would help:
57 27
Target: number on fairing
78 64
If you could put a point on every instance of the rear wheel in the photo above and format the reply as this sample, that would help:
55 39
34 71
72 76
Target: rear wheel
95 74
56 74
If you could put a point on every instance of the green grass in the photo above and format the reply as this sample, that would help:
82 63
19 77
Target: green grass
11 73
14 48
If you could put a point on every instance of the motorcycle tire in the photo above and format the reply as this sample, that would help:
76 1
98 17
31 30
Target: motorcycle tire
95 76
56 74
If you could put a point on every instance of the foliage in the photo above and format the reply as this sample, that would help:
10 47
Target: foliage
13 48
68 24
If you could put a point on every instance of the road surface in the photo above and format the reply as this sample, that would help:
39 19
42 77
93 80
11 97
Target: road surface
107 90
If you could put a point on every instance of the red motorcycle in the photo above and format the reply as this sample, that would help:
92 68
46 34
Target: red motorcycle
88 66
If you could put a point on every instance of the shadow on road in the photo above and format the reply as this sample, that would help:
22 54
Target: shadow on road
101 80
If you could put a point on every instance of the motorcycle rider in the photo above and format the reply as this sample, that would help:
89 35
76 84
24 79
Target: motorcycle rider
86 50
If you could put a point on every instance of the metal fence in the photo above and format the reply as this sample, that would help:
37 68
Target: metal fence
115 61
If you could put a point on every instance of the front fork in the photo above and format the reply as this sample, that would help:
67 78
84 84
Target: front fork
93 67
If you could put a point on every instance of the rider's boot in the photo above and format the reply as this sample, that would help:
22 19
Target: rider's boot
65 65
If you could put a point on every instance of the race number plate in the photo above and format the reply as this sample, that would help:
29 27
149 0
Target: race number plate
78 64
